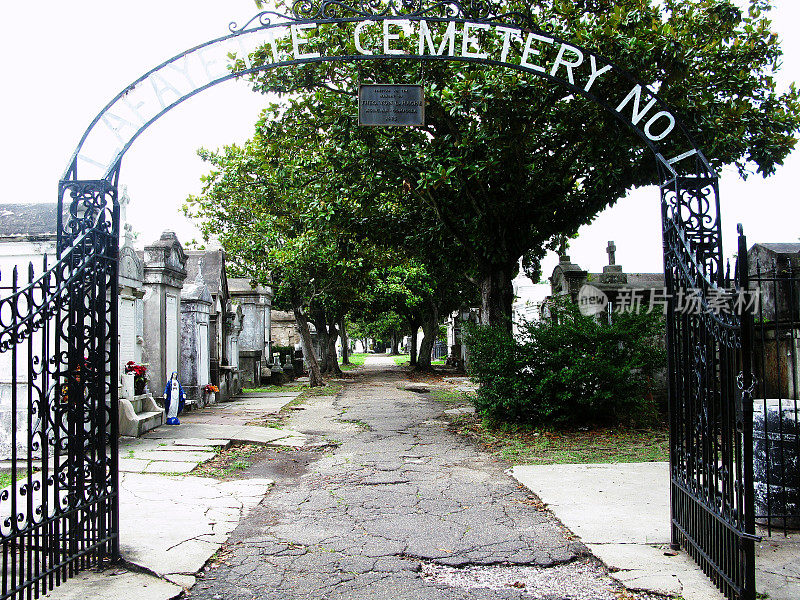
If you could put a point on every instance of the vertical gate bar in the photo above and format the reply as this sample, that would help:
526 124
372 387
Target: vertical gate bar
44 410
30 521
671 391
14 528
61 282
708 366
719 372
762 282
88 453
70 523
114 377
60 390
793 362
74 439
97 396
6 550
781 489
78 405
748 543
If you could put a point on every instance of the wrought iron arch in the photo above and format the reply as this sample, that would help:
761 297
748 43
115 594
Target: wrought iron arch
72 398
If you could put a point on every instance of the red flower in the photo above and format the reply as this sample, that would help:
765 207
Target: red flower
137 370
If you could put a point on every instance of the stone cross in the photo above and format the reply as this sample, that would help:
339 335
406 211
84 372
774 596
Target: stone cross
124 201
612 252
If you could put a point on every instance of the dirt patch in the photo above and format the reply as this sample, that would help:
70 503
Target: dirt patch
230 463
427 376
281 465
520 444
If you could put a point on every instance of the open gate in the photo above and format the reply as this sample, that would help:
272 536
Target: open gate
710 388
60 514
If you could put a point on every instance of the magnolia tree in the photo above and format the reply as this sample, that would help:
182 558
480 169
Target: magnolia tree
509 163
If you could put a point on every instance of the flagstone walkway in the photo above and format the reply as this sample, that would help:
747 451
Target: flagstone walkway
177 449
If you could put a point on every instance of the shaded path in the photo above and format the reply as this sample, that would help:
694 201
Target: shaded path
399 489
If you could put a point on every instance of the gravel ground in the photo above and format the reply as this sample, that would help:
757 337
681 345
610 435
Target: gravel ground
583 579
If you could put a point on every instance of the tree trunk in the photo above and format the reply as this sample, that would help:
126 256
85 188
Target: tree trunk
322 336
314 374
345 342
395 343
497 296
413 350
330 350
430 329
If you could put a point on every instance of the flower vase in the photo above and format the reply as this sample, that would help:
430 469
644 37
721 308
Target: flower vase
211 397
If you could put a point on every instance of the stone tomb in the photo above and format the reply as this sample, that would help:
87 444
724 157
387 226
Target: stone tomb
209 265
196 302
777 316
137 413
164 274
230 382
255 303
27 236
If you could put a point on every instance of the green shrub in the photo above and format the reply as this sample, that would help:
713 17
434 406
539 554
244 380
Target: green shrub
574 370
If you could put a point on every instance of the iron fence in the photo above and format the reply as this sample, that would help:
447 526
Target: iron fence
57 330
776 419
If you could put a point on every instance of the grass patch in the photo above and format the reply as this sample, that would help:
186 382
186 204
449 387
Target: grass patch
5 478
404 359
229 463
520 444
363 425
449 395
332 389
356 360
290 387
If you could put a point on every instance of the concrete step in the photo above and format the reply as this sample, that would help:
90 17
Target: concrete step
150 420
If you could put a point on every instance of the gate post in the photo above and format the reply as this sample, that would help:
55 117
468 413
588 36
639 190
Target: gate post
88 247
745 424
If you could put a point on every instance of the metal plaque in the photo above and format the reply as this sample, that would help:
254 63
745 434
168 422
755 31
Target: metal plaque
391 105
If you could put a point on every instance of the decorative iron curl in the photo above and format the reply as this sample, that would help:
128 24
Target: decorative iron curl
262 19
313 10
25 312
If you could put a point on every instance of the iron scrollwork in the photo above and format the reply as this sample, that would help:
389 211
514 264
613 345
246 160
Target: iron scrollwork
322 10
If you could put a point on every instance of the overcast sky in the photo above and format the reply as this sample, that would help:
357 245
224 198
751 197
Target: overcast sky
62 62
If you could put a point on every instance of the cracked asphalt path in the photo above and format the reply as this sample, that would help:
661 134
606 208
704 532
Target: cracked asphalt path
399 489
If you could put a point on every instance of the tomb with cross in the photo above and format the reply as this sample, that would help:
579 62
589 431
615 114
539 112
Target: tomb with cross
612 273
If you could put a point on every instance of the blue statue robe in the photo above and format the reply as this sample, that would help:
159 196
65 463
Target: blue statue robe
174 399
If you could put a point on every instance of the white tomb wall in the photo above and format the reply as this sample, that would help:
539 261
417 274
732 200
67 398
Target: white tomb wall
172 341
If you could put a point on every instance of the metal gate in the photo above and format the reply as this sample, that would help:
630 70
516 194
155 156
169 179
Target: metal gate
58 341
710 386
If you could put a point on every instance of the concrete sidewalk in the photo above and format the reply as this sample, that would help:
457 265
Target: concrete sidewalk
176 449
621 512
171 524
